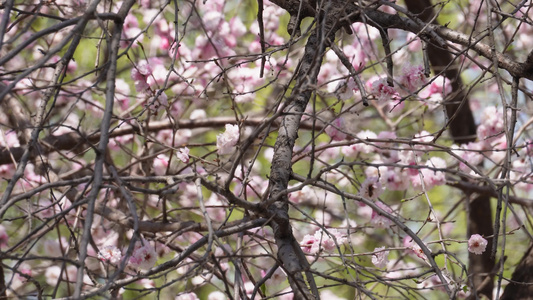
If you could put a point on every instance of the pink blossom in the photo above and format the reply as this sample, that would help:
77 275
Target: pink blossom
423 137
386 135
161 164
178 138
157 103
187 296
130 30
215 209
379 220
356 54
413 248
436 90
477 244
122 93
117 142
395 179
491 126
9 139
140 74
432 177
418 251
408 158
353 150
412 79
321 240
470 153
345 89
217 295
226 141
310 244
414 42
329 239
7 171
382 91
144 256
330 295
110 254
334 129
380 258
371 188
52 275
183 154
3 237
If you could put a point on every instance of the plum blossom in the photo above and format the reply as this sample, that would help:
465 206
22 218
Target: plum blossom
491 125
470 153
379 220
161 164
321 240
382 91
334 129
122 92
140 74
353 150
412 78
477 244
226 141
310 244
395 179
3 237
371 188
168 137
217 295
345 89
423 137
187 296
380 258
414 42
131 30
328 294
144 256
110 254
414 248
157 103
52 275
436 90
183 154
431 176
9 139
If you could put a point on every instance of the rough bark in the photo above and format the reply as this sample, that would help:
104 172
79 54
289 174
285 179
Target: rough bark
289 251
520 286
